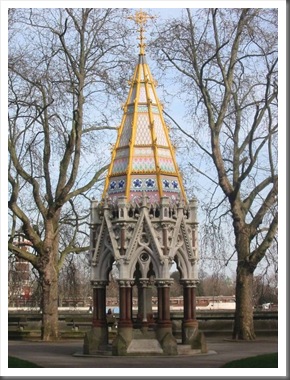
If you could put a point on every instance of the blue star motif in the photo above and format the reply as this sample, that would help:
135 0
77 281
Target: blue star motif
150 182
112 185
175 184
166 183
137 183
121 184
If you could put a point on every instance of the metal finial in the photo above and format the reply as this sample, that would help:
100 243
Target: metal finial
141 19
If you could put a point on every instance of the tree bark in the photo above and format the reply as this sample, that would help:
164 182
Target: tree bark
49 283
49 329
244 323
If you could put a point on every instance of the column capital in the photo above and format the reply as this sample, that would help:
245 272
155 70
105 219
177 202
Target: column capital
99 283
164 282
144 282
188 283
126 282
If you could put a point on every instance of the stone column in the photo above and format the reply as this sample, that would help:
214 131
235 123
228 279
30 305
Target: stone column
99 304
125 324
145 315
164 324
149 302
125 296
97 338
189 323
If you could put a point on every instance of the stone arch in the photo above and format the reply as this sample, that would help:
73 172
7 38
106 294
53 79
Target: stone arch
144 286
144 265
104 267
182 264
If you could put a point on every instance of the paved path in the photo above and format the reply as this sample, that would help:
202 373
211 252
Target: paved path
63 355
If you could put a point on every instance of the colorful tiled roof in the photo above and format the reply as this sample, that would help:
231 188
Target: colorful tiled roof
143 158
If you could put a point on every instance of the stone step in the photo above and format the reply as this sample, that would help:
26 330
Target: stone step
145 347
185 349
105 350
149 334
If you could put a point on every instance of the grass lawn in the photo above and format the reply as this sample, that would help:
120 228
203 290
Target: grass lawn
19 363
260 361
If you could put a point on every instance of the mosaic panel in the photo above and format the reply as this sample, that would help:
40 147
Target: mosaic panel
143 164
120 165
166 165
164 152
159 130
154 109
143 133
144 183
130 109
141 73
120 153
151 95
136 197
127 131
143 151
173 197
117 185
142 93
133 95
142 108
170 184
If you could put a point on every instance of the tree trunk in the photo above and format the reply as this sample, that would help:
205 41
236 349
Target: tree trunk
49 329
49 283
244 322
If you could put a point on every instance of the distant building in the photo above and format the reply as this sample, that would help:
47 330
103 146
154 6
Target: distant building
20 289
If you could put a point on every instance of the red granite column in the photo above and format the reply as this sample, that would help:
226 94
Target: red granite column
189 323
99 304
129 304
187 303
125 292
193 297
122 304
160 303
98 336
125 324
164 325
164 303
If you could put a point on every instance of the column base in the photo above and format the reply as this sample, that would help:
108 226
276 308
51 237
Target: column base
95 340
122 341
125 324
166 338
193 336
164 324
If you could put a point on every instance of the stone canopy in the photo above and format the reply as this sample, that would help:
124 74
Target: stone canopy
143 225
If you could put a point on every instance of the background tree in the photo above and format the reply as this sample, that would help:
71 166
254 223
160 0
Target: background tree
227 65
176 289
64 66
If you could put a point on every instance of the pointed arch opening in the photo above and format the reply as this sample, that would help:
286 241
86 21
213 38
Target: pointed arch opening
144 289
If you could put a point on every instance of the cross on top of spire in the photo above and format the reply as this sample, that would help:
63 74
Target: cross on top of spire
141 19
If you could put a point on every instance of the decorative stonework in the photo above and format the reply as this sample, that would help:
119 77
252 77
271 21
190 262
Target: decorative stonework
125 283
144 223
99 283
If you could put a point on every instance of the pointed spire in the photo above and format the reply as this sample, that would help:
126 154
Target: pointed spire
143 158
141 19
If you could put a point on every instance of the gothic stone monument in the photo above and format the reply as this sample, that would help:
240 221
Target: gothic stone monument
144 224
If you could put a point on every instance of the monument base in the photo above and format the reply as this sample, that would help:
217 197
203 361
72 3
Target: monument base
95 340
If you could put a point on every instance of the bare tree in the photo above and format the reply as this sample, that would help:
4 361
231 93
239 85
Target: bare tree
63 65
227 61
